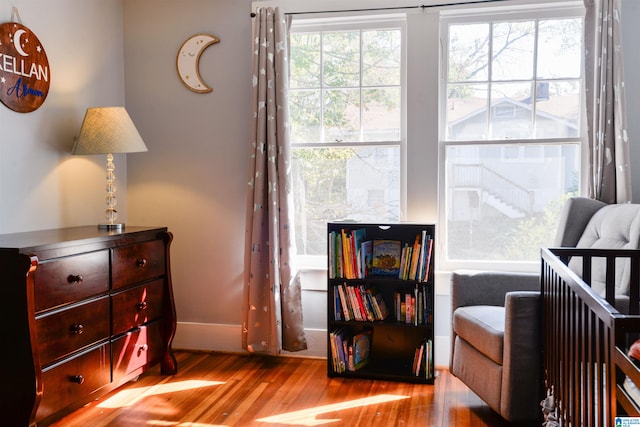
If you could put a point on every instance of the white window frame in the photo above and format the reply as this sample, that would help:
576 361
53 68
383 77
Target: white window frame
422 173
360 22
485 14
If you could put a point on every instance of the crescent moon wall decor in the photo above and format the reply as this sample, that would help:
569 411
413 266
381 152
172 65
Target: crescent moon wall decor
188 61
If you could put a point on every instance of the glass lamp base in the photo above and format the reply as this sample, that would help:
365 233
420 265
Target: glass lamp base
111 226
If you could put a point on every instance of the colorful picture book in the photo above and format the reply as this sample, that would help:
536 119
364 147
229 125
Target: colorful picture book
349 351
386 257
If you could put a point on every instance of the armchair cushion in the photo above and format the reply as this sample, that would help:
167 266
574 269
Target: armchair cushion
482 326
614 226
576 214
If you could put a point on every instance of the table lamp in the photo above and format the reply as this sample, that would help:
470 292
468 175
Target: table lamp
108 130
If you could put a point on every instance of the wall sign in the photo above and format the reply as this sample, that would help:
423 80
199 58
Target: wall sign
188 61
24 68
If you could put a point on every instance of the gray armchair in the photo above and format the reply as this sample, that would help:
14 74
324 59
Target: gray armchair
496 337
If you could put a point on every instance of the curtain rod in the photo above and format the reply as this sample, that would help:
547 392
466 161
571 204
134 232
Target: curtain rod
423 6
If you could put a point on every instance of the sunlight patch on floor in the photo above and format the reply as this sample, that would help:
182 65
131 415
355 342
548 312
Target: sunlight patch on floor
158 423
307 417
130 396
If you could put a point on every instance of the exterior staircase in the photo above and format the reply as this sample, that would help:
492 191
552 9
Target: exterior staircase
497 191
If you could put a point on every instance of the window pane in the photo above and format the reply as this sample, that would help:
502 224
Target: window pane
304 111
381 57
381 114
305 60
341 52
503 201
342 115
558 109
330 184
559 48
511 111
468 52
512 50
467 112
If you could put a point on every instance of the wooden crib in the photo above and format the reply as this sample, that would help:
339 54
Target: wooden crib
586 340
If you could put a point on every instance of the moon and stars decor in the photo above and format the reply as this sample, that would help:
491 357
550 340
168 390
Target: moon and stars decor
188 61
24 68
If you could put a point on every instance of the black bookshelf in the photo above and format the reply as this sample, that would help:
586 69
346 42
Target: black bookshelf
396 343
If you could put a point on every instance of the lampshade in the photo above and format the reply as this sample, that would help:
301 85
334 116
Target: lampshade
108 130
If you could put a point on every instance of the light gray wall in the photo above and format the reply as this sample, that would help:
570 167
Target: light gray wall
41 184
194 177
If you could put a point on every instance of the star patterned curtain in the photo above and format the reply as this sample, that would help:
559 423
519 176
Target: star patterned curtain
272 309
609 174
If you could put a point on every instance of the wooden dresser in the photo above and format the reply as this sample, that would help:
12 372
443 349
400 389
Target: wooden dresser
82 311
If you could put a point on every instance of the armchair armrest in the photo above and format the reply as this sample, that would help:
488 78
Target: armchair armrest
522 353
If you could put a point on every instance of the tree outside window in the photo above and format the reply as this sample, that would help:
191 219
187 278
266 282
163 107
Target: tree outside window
346 110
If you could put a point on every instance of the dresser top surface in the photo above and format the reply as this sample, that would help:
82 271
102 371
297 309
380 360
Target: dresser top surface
32 241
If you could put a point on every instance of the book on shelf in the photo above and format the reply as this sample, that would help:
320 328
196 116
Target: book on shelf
351 256
356 302
423 359
337 305
339 348
413 306
349 351
424 269
358 236
377 301
386 257
415 255
367 257
361 348
415 258
346 254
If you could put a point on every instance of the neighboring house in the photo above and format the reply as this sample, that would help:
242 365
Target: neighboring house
511 172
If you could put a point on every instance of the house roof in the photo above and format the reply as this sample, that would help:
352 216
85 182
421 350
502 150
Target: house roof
560 108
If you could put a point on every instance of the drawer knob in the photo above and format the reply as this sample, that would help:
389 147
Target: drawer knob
77 329
75 278
141 262
142 305
78 379
142 349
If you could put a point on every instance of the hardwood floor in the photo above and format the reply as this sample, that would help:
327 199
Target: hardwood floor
214 389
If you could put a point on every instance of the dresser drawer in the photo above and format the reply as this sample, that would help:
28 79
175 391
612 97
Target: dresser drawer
136 263
74 380
62 280
133 307
66 331
140 347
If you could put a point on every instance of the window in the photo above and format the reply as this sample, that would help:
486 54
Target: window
345 99
510 130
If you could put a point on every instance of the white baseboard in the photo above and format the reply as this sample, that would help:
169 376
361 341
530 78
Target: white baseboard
227 338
